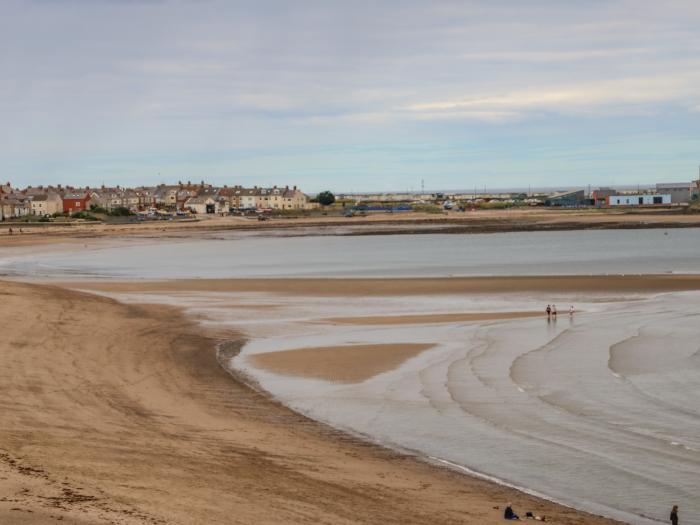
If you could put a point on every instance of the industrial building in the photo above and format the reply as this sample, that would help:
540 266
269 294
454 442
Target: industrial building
566 198
681 192
639 200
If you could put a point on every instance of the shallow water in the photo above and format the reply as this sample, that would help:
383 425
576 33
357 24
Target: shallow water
600 411
234 254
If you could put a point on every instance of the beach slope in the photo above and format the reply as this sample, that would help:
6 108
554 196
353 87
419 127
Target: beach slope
117 413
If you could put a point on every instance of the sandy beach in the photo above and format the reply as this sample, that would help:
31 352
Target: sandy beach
118 413
122 413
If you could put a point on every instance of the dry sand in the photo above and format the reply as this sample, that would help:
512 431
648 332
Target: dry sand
115 413
344 364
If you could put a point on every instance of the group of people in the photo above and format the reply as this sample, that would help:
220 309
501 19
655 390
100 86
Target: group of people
509 514
552 310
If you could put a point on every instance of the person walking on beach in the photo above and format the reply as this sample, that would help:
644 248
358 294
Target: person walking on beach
674 515
554 310
571 310
549 311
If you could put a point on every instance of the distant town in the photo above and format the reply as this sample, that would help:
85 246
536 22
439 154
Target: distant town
50 203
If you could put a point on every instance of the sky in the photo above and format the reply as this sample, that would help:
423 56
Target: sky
350 95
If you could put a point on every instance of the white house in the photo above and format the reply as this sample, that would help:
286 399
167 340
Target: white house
201 205
248 198
46 204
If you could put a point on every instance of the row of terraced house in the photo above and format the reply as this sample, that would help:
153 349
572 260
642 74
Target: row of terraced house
197 198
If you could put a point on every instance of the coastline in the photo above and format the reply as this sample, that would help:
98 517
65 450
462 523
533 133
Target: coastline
481 221
165 435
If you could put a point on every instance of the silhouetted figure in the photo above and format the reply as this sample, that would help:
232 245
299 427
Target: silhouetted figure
674 515
509 514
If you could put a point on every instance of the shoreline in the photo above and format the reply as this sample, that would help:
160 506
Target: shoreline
436 462
249 381
481 221
174 413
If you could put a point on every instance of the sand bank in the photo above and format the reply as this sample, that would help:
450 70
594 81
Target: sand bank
419 286
431 318
121 414
347 364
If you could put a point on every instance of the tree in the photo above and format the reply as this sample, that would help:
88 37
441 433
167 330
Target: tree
326 198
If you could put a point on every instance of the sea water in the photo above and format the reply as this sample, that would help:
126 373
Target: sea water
237 254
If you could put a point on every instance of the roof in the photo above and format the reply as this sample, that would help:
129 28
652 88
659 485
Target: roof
213 192
565 194
638 195
674 185
200 199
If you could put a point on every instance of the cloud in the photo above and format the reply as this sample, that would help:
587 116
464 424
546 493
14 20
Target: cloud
611 95
138 80
554 56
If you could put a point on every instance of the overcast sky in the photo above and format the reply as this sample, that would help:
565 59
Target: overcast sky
350 95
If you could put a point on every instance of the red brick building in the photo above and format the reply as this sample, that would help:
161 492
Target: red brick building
74 202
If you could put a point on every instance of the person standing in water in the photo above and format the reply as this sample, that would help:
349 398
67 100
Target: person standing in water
554 310
549 311
571 310
674 515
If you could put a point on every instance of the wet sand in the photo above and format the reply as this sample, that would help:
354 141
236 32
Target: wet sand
413 286
431 318
345 364
114 413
